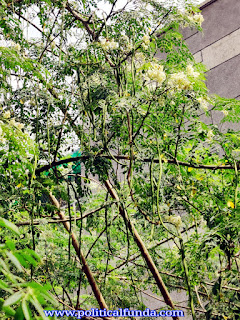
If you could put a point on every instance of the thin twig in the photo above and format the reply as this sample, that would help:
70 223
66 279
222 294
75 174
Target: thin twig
39 222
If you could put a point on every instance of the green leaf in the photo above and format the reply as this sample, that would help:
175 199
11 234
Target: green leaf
9 225
19 314
10 244
29 259
9 311
44 291
21 259
14 261
38 306
13 299
4 286
33 254
26 310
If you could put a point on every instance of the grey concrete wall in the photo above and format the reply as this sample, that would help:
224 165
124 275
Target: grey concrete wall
221 18
224 79
218 46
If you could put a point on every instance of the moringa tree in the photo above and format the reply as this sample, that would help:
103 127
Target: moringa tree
155 204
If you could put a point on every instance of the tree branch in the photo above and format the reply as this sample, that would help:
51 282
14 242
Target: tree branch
39 222
86 269
78 17
142 248
147 160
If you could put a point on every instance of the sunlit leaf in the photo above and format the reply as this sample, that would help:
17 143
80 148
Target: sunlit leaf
9 225
13 299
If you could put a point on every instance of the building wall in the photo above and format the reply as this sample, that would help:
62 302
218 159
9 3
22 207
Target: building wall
218 46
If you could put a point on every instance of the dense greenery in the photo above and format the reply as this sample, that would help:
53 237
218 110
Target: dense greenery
151 196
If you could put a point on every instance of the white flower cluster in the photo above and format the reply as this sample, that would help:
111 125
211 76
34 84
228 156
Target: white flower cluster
16 46
6 114
16 124
203 104
210 135
156 73
125 43
139 56
139 59
191 72
108 44
12 122
179 81
145 41
196 19
95 79
225 112
176 220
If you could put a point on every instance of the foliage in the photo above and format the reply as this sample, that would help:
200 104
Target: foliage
158 187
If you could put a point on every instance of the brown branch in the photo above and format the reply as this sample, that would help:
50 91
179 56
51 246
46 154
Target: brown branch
49 38
78 17
98 237
169 274
147 160
142 248
154 297
85 267
66 114
152 33
59 137
154 247
109 15
143 119
40 30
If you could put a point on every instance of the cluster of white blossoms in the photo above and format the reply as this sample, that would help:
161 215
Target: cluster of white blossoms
156 73
12 122
225 112
16 46
145 41
196 19
16 124
191 72
6 114
210 135
108 44
125 43
203 104
176 220
95 79
179 81
139 59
